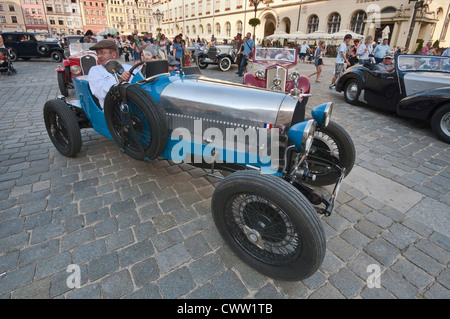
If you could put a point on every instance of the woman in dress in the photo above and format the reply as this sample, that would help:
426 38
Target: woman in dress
136 46
318 61
178 50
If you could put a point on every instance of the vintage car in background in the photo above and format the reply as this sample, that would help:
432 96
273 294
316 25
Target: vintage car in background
80 61
222 55
273 69
271 157
67 41
418 88
26 45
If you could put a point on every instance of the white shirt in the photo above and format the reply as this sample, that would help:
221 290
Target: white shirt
362 54
303 48
339 58
100 81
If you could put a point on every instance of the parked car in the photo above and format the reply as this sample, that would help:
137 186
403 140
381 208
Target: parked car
26 45
419 88
264 208
222 55
273 69
80 61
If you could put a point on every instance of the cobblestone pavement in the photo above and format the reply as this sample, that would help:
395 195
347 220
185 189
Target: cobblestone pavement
144 230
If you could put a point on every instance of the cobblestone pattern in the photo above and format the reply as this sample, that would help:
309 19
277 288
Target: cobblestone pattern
144 230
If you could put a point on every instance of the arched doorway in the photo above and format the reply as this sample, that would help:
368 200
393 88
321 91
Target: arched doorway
269 25
285 25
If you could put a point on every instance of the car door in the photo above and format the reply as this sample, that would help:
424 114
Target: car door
28 46
382 89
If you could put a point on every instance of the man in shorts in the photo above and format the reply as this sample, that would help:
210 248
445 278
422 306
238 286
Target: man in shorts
341 60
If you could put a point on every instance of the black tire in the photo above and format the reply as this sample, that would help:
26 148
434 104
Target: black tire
202 65
440 123
333 144
56 56
13 55
225 64
148 121
62 127
42 49
62 83
352 91
269 224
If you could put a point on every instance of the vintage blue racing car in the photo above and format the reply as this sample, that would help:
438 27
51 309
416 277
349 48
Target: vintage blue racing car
271 158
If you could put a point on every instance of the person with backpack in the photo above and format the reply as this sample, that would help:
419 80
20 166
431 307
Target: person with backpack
248 45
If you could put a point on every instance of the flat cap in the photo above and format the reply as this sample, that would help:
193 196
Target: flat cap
172 61
104 44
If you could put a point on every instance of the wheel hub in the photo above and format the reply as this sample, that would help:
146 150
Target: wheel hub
445 124
254 237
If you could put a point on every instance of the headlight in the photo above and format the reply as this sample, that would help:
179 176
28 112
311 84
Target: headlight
322 114
277 81
218 51
260 74
302 135
294 75
75 69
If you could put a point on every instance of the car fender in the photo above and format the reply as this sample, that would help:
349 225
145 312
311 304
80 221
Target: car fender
304 84
356 74
250 79
422 105
60 69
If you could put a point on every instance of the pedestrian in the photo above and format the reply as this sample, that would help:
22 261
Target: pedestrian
352 58
365 51
426 48
178 50
303 50
341 60
248 45
318 61
88 37
148 38
381 50
136 47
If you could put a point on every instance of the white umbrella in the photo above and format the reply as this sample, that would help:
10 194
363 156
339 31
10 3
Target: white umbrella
342 33
385 32
277 35
297 35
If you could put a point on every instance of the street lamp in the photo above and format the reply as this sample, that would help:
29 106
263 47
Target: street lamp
158 15
419 5
255 4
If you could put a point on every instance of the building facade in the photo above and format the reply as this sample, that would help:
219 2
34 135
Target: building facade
63 16
394 19
94 15
11 16
34 16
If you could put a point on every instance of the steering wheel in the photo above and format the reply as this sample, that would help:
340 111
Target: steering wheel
134 67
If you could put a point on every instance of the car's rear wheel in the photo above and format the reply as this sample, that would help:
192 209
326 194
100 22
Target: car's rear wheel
352 91
225 64
56 56
62 127
440 123
269 224
139 128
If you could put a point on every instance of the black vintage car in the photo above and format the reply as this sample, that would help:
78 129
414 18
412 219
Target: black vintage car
26 45
418 88
222 55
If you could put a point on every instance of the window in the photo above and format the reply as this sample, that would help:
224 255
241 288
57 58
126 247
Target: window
358 22
27 11
239 27
13 19
60 21
52 20
228 29
334 22
208 29
49 9
218 30
313 23
1 7
2 19
11 8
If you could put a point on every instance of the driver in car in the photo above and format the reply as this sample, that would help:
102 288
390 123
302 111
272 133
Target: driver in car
285 55
387 65
100 80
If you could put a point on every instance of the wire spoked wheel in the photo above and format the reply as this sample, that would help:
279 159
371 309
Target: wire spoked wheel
262 229
269 224
133 119
331 145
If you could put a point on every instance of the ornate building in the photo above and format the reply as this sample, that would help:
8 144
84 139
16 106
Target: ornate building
404 22
94 15
63 16
34 16
11 16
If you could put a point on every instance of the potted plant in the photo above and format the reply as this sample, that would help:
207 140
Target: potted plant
254 22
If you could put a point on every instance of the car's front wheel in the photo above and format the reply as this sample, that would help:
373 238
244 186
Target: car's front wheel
201 63
13 55
62 127
440 123
225 64
269 224
352 91
62 83
56 56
